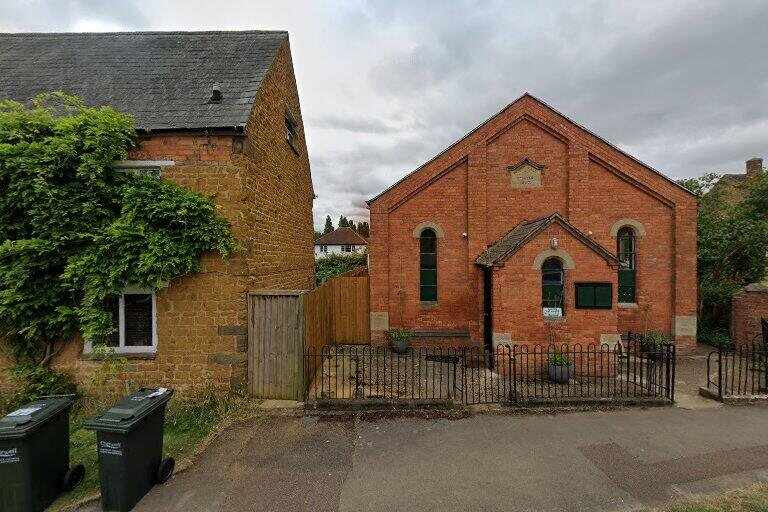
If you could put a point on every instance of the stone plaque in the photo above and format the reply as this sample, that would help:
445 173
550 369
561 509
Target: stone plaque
526 174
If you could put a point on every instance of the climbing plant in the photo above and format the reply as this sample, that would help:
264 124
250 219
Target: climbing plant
75 231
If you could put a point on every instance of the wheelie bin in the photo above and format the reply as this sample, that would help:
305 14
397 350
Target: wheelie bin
34 455
130 445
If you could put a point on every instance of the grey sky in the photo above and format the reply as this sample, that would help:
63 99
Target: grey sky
386 85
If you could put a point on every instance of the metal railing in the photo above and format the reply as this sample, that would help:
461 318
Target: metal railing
738 372
512 374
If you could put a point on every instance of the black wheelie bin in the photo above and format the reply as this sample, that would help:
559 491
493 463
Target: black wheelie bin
130 444
34 455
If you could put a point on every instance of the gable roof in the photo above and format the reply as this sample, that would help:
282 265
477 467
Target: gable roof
342 236
526 231
552 109
163 79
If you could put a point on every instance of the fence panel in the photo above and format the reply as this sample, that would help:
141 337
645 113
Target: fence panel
283 324
276 345
351 309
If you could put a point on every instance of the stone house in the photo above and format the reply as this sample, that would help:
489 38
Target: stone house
217 112
532 229
340 241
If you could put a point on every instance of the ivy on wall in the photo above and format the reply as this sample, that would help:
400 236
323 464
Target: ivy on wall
75 231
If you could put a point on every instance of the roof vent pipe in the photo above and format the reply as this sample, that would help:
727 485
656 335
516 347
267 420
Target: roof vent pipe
216 93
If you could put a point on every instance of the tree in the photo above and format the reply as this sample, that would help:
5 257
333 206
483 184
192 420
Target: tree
328 225
74 231
732 247
342 221
364 229
351 225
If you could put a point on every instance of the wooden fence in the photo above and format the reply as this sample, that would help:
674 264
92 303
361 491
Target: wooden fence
282 325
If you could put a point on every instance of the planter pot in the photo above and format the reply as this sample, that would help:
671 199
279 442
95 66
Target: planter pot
653 355
559 374
399 346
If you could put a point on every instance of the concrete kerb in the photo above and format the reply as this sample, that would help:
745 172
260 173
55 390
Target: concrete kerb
735 399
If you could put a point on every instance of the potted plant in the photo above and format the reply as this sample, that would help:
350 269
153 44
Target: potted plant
652 343
559 368
399 340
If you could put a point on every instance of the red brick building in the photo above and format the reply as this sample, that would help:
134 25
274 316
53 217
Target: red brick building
218 113
533 229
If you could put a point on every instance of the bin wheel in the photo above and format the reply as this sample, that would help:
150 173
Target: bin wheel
73 477
165 470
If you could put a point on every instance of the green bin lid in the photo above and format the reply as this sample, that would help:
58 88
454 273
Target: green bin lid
128 412
29 418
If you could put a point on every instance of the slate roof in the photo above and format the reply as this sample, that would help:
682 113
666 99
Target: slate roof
524 232
341 236
164 79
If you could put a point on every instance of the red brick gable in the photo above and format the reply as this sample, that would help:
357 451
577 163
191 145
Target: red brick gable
525 163
537 112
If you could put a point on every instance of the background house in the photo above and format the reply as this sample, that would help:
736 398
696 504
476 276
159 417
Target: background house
340 241
532 229
217 112
732 186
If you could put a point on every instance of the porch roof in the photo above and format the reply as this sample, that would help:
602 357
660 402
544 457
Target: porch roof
524 232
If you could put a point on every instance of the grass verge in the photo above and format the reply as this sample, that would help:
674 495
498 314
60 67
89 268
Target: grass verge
189 421
751 499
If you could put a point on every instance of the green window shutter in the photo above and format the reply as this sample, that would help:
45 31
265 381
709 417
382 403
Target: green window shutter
428 293
428 277
626 285
603 295
585 296
594 295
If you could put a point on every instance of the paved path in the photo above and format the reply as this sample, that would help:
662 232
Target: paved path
602 461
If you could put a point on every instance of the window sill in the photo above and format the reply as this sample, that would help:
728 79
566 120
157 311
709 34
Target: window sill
92 356
554 320
428 304
627 305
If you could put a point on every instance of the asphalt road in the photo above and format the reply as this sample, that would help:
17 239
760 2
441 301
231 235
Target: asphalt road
616 460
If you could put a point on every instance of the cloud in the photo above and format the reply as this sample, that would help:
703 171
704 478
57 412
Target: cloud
69 15
385 86
357 124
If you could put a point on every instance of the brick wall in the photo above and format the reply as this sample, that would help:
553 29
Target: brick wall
467 191
263 187
517 314
747 308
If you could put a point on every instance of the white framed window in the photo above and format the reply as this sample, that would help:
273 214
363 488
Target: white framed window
134 313
323 248
346 248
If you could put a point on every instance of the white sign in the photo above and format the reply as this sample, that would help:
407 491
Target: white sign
26 411
552 312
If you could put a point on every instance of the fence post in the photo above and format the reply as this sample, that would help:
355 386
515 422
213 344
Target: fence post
674 368
464 375
720 372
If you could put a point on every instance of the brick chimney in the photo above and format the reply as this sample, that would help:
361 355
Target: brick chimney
754 167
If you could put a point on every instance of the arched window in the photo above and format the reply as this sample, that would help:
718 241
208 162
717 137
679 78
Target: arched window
626 249
552 280
428 265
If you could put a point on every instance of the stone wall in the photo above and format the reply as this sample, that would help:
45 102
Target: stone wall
263 187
